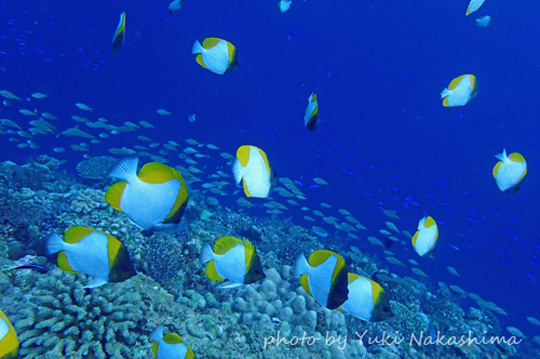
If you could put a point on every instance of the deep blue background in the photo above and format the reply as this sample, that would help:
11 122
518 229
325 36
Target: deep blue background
384 139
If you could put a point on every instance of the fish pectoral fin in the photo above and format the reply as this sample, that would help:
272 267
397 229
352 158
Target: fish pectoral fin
98 282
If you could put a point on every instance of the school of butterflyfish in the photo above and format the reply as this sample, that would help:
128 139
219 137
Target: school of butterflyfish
154 198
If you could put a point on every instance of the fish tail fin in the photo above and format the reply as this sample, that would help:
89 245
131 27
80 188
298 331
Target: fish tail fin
55 244
157 334
502 156
207 254
444 93
301 266
197 48
126 169
238 171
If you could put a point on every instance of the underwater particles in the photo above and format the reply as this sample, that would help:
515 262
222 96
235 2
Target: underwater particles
510 171
460 92
154 199
232 259
92 252
252 168
425 238
216 55
119 34
170 346
312 113
9 344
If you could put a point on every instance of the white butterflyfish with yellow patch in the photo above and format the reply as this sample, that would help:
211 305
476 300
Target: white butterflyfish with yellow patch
425 238
324 277
233 259
170 346
216 55
92 252
510 171
253 168
367 300
154 199
9 343
460 92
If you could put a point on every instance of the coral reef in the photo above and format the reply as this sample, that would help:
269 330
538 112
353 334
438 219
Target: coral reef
96 169
55 317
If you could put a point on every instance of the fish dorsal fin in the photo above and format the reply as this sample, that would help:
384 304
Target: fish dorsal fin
155 172
319 257
224 244
172 338
210 42
180 203
496 169
516 157
455 82
266 162
376 291
63 262
250 252
352 277
114 195
232 51
305 284
211 272
242 154
200 60
113 246
155 349
429 222
75 234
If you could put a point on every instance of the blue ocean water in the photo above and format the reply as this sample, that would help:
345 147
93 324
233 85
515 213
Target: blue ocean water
383 140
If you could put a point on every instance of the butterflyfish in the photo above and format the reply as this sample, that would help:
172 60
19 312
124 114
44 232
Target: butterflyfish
483 21
474 5
425 238
154 199
312 113
460 92
92 252
253 168
233 259
510 171
119 35
324 277
9 344
367 300
170 346
216 55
